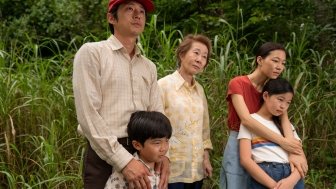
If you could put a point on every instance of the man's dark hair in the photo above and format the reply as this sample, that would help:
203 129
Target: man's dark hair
144 125
114 12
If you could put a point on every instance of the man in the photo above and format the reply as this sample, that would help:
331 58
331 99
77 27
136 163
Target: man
111 80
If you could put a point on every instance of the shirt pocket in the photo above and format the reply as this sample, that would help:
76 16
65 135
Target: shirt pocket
142 89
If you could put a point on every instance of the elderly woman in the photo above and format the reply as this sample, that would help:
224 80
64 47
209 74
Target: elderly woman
186 107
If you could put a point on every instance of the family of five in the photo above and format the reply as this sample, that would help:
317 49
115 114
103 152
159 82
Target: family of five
147 133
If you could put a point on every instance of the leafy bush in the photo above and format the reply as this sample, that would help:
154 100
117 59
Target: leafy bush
36 20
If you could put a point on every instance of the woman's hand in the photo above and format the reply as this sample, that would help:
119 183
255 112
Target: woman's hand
207 164
292 145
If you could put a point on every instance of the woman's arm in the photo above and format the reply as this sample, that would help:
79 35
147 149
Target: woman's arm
251 166
289 144
207 164
207 144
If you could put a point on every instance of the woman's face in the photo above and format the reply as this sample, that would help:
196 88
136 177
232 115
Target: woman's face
195 59
272 65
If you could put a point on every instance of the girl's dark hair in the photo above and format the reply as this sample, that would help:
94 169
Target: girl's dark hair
186 43
144 125
265 49
274 87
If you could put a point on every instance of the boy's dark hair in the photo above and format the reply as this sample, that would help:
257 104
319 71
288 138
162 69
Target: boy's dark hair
144 125
274 87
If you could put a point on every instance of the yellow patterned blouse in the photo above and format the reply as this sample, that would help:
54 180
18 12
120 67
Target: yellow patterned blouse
187 109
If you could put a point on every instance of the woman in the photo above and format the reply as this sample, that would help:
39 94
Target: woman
186 107
243 98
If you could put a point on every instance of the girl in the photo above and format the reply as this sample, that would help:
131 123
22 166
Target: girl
266 162
243 97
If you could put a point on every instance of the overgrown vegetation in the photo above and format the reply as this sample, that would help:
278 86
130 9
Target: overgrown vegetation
39 145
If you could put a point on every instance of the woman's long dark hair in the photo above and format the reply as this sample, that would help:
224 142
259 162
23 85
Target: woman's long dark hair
274 87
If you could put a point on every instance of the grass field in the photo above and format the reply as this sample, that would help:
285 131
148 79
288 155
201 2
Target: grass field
39 145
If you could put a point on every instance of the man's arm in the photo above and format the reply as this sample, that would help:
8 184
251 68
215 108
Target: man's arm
88 101
155 98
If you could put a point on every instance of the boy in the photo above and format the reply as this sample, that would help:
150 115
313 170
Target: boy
148 132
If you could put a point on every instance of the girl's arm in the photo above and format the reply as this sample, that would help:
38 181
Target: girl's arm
251 166
286 125
298 161
289 144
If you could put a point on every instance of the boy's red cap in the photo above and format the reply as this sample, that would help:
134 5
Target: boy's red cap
147 4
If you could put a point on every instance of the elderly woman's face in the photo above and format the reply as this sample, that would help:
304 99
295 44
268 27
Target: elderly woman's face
194 61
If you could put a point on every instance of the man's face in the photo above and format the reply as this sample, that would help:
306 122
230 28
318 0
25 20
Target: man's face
131 19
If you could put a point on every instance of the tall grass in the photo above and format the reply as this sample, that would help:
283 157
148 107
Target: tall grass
39 145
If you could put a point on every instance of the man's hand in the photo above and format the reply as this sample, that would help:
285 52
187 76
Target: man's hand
136 174
164 169
299 162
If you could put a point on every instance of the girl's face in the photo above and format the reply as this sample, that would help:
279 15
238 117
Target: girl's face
272 65
195 59
277 104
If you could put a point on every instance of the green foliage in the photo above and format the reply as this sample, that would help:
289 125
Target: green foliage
254 20
35 19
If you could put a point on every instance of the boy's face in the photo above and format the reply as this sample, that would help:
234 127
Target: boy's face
153 149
